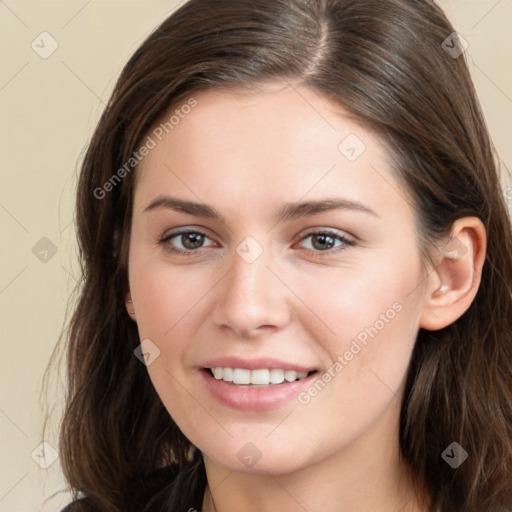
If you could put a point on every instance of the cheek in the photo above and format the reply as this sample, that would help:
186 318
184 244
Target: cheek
369 322
164 296
351 303
165 299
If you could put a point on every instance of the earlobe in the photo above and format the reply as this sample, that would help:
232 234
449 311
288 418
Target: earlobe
453 283
129 306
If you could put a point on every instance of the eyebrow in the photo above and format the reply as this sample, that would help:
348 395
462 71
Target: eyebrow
288 211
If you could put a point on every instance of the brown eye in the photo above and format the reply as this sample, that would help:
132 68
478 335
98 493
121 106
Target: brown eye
185 242
325 241
322 241
191 240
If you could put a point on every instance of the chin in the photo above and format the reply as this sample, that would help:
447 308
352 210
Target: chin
259 457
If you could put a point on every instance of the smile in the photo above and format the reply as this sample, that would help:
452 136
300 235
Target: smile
256 385
257 377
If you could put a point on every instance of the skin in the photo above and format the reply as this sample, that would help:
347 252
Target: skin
246 154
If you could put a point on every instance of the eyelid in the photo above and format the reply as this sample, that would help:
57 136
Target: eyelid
327 231
181 231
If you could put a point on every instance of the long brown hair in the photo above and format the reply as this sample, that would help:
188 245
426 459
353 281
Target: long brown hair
386 63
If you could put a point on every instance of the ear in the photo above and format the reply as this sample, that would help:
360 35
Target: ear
453 282
129 306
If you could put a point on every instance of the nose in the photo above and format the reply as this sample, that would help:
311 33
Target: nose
251 300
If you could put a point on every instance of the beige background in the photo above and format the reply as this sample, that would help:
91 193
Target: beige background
48 109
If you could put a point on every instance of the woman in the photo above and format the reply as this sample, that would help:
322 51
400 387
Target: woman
296 270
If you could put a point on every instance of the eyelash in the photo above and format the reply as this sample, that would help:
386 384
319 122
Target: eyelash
346 242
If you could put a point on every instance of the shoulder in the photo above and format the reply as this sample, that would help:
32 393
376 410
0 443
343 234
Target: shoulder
168 482
77 506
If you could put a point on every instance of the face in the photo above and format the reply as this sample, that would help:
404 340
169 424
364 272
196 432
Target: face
270 240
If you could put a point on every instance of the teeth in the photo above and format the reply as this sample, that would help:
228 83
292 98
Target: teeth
261 377
227 374
276 376
290 375
240 376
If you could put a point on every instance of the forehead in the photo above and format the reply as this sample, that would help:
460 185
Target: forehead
285 120
278 143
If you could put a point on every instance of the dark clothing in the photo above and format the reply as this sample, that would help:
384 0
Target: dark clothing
166 490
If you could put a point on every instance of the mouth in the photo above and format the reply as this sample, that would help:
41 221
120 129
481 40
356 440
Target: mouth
258 388
257 378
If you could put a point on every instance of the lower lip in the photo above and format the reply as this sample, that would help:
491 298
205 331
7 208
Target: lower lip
246 398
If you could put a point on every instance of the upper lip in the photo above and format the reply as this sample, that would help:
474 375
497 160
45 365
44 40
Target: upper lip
256 363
